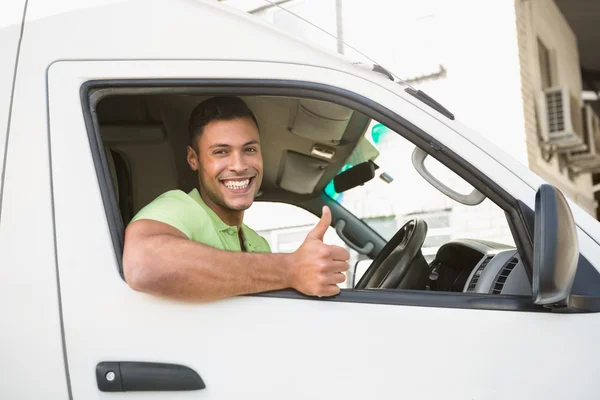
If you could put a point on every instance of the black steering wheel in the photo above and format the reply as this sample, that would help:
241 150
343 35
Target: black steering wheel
400 264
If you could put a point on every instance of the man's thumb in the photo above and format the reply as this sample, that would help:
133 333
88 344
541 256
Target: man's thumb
318 232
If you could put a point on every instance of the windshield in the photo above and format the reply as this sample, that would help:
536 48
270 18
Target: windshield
386 206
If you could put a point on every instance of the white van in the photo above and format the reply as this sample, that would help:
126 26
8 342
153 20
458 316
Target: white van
94 101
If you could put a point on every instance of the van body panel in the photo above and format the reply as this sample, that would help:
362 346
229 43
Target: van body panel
11 18
65 307
290 348
31 360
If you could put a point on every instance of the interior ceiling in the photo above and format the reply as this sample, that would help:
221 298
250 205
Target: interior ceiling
276 116
584 17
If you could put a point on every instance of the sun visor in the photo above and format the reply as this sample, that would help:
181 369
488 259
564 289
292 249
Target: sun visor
301 173
321 121
365 151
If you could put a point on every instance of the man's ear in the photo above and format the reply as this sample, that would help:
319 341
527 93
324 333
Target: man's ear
192 158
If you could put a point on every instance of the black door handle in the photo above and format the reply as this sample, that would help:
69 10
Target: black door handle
121 376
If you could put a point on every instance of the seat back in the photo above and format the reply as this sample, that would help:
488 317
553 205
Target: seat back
141 163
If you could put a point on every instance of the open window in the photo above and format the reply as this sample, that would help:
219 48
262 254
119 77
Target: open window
466 244
307 141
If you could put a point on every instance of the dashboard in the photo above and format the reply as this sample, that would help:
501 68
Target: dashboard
476 266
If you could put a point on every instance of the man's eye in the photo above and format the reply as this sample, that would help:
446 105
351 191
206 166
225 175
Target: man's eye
251 149
219 152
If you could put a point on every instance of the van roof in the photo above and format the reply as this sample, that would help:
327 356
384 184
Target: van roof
174 29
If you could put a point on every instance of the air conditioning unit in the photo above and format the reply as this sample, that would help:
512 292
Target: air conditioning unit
591 137
560 120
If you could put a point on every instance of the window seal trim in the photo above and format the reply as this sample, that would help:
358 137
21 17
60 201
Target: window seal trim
420 298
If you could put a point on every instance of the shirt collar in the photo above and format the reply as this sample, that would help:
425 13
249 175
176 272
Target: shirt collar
217 222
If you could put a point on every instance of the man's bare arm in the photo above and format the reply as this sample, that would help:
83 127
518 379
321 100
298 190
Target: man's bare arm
159 259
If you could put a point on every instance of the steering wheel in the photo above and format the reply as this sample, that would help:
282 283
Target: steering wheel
400 264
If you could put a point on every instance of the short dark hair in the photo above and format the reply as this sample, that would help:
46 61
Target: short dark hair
222 108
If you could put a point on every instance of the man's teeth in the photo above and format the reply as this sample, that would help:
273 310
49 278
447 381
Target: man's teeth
237 184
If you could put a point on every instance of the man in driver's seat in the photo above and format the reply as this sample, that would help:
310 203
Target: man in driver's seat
194 246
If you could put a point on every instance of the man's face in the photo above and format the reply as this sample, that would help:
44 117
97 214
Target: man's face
229 163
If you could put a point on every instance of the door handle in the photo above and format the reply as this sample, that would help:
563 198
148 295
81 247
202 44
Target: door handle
125 376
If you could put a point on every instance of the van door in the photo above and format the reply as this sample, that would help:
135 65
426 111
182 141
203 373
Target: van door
360 345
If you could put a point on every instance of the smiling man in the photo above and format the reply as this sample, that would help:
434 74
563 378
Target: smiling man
195 246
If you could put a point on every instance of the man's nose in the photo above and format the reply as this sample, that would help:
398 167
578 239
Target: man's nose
238 163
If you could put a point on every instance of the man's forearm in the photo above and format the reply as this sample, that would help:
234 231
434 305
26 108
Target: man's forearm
179 268
161 260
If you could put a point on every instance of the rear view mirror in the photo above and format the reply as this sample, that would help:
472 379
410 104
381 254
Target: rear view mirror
555 251
354 176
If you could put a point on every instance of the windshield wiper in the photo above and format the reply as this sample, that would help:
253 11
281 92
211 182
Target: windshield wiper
425 98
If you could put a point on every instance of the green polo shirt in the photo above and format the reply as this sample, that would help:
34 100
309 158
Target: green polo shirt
188 213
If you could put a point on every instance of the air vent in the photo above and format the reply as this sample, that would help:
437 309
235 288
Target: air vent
477 274
503 275
560 119
556 122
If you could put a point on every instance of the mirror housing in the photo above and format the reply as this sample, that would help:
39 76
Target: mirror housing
556 250
354 176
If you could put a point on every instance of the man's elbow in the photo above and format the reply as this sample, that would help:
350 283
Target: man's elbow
138 270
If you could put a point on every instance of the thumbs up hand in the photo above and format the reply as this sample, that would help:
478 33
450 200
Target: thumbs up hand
316 267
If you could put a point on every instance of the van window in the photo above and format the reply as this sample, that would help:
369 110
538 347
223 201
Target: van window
305 144
386 207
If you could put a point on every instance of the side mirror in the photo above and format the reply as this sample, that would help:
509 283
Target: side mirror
354 176
556 250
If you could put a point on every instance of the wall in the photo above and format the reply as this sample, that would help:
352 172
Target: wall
542 18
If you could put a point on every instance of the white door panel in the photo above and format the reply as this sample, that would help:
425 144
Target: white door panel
273 348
